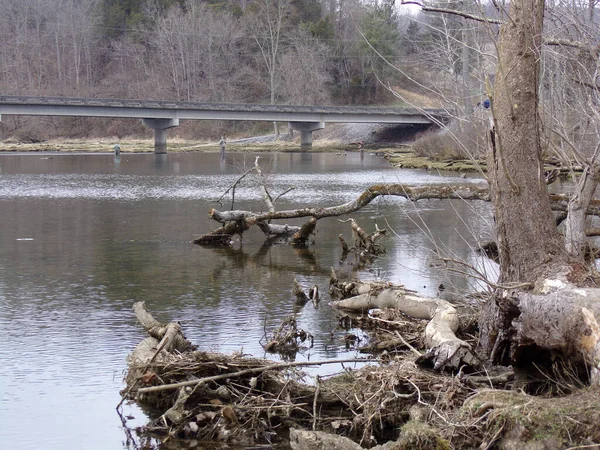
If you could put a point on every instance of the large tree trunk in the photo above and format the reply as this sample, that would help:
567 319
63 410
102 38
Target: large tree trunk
554 328
528 240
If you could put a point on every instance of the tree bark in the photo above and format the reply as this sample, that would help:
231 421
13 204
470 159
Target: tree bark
576 240
528 241
556 324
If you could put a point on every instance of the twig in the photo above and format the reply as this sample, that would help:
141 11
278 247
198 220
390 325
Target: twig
248 372
414 350
453 12
234 185
480 276
583 446
283 193
315 402
424 403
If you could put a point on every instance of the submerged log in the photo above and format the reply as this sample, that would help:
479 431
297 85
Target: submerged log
223 237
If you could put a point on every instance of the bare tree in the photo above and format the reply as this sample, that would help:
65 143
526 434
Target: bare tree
195 47
304 71
266 26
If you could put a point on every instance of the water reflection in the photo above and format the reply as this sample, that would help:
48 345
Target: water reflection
85 236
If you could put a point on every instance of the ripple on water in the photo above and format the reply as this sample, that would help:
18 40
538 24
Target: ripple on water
66 295
133 187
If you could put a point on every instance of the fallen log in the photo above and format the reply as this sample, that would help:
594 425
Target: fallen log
446 350
245 219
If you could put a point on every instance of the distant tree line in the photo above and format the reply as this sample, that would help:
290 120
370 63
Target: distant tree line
240 51
266 51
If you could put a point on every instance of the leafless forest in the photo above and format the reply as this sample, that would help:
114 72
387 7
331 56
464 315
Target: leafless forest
263 51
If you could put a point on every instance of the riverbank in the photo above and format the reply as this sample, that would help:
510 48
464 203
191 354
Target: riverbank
174 146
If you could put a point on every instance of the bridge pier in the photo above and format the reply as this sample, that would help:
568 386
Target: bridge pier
306 129
160 127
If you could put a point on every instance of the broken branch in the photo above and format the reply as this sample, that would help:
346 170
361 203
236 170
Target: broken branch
249 372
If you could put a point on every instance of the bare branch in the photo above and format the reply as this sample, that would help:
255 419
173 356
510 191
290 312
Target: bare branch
453 12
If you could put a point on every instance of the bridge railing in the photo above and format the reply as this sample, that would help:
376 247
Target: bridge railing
174 105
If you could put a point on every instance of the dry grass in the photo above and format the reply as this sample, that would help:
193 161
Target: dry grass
466 142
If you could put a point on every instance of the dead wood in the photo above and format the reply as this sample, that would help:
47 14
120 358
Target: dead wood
222 237
235 222
170 336
238 400
446 350
365 246
288 339
278 231
301 297
344 289
554 333
300 238
246 219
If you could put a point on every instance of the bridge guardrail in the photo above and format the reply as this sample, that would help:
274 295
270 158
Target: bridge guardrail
169 104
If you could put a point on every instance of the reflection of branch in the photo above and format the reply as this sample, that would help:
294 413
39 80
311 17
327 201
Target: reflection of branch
241 258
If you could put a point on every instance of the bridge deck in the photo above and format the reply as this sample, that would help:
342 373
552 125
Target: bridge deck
144 109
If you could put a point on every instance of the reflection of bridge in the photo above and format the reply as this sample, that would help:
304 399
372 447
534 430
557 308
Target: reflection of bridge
162 115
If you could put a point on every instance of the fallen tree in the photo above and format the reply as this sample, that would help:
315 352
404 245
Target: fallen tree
445 351
236 222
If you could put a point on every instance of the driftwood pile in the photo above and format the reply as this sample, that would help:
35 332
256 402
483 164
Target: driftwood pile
191 394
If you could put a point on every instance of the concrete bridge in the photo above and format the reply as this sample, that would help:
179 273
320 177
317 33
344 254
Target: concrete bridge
162 115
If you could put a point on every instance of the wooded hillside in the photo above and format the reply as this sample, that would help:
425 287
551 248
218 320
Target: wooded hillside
262 51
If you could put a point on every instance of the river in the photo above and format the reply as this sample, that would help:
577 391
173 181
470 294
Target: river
84 236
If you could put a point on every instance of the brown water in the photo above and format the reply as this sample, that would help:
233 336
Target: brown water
82 237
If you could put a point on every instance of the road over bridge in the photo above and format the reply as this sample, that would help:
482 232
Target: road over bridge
162 115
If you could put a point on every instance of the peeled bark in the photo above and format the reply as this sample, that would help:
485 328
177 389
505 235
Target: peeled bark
557 323
446 350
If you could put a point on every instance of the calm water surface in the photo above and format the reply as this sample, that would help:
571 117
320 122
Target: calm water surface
82 237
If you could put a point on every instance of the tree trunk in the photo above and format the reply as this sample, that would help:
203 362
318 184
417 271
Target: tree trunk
528 240
576 240
530 247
